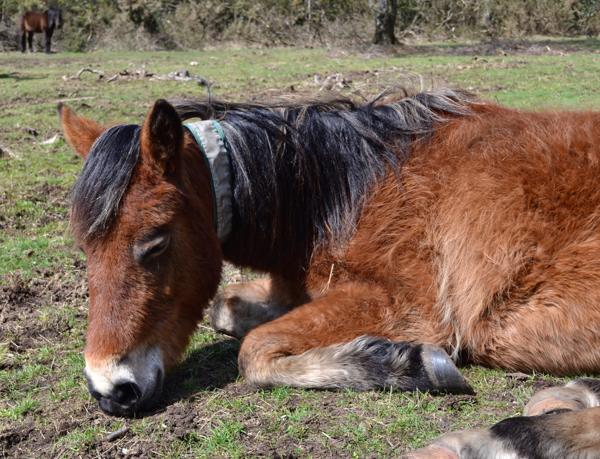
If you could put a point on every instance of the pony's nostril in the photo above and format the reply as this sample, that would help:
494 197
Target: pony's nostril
126 394
93 392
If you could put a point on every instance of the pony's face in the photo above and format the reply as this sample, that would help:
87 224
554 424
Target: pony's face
56 18
153 257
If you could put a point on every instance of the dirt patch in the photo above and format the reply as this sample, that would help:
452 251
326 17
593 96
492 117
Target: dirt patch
49 203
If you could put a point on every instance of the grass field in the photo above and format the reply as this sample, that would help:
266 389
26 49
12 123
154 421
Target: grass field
207 410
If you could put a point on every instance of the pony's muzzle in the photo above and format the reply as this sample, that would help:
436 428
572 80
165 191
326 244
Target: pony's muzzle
127 386
122 401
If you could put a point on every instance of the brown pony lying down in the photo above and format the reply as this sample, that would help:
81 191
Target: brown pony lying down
401 235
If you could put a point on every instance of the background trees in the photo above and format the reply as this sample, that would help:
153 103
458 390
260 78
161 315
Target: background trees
193 24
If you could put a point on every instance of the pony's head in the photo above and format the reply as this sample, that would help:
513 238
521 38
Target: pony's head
142 213
55 17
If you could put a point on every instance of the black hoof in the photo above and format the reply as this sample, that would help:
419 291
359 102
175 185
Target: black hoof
442 372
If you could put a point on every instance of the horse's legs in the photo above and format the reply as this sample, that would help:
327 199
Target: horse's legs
48 36
30 40
241 307
341 340
571 432
23 41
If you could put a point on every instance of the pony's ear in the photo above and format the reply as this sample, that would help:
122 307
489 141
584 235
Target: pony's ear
81 132
162 136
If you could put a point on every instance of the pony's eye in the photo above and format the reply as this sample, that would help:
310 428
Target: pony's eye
154 249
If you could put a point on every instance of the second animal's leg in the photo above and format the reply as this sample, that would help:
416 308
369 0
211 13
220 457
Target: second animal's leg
23 41
576 395
344 339
570 432
30 41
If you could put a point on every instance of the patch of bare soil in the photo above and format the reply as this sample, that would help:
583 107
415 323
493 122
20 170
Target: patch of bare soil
50 203
521 47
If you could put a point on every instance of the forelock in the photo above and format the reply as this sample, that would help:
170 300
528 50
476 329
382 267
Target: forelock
105 177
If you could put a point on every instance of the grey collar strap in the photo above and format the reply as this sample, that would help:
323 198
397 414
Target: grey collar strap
211 139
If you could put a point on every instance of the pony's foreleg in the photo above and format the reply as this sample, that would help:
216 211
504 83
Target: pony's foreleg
241 307
23 41
341 340
570 432
48 37
30 41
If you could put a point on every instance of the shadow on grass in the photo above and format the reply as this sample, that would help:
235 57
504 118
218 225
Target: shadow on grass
210 367
18 76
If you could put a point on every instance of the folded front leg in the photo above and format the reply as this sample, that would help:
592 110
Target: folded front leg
242 307
344 340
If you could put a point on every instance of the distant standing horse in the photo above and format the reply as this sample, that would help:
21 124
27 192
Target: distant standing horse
31 22
417 222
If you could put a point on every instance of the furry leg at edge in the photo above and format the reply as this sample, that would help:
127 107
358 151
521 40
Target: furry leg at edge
558 423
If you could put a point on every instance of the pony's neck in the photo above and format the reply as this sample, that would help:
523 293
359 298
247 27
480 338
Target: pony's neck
301 173
264 237
296 187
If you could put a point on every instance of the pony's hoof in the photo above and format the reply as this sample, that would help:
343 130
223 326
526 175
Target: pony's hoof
442 372
431 452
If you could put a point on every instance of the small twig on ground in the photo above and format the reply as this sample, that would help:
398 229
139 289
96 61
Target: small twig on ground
77 76
118 434
176 75
6 152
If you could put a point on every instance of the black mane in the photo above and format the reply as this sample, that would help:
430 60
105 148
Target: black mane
302 171
108 167
54 16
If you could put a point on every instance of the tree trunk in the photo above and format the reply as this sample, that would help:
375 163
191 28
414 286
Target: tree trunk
485 14
385 20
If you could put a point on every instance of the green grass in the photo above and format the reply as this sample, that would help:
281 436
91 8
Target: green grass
41 347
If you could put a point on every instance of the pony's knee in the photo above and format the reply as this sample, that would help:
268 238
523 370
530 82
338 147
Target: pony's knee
256 352
241 307
229 315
